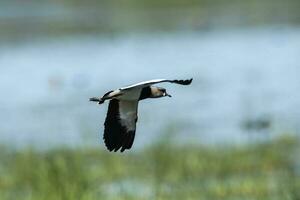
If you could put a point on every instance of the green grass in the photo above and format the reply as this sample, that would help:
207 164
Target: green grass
110 18
261 171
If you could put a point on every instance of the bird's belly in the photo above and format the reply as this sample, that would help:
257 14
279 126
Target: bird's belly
130 95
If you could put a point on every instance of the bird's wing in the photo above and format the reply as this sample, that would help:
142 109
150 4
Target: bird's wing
120 124
155 81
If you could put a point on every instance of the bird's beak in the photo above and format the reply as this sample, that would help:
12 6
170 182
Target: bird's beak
167 95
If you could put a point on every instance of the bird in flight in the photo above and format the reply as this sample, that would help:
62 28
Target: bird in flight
121 118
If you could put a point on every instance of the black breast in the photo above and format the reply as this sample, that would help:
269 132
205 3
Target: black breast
146 93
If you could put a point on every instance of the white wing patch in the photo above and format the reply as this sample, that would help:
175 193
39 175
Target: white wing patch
128 114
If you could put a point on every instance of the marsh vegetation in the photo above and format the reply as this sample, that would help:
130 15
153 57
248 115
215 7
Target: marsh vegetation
162 171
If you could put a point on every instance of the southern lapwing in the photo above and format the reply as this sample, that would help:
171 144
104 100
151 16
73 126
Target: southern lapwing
120 122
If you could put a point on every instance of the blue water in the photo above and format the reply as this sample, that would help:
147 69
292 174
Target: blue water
240 77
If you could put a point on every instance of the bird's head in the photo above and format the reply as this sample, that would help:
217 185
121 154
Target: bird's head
157 92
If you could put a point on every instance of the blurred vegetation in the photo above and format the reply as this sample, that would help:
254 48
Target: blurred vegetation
162 171
33 18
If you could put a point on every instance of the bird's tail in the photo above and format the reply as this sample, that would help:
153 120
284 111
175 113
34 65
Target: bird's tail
96 99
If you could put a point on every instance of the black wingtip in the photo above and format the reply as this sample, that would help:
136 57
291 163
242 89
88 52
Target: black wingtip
183 82
123 143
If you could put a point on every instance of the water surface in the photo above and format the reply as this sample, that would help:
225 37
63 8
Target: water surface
246 82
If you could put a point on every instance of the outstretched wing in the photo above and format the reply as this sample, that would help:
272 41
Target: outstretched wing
120 124
155 81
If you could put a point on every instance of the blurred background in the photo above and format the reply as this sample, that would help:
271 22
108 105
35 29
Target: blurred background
232 134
